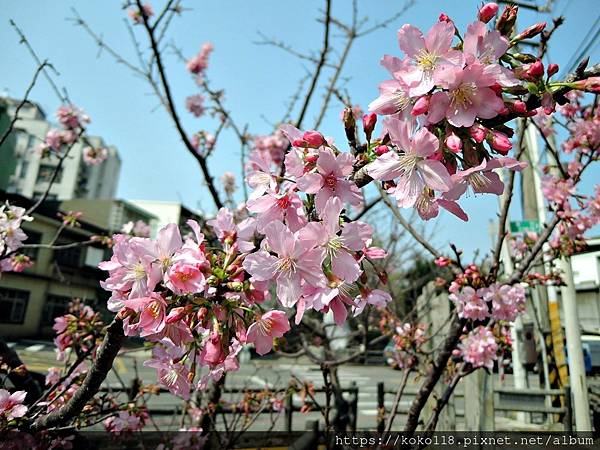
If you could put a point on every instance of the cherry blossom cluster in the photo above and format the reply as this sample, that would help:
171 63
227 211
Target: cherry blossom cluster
446 105
486 308
72 121
408 339
12 237
578 212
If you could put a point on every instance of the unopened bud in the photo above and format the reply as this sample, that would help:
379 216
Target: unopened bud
529 32
532 72
348 118
487 12
499 142
507 20
381 149
552 69
421 106
591 84
454 143
313 139
311 158
444 18
519 107
369 121
478 132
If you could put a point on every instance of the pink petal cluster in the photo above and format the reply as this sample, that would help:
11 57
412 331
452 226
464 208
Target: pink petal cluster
195 104
94 156
273 324
199 63
11 405
479 348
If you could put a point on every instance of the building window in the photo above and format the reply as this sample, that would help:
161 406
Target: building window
56 306
46 172
13 305
70 257
49 197
33 237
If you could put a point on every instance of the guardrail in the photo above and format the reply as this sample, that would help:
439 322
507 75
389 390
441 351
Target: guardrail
289 409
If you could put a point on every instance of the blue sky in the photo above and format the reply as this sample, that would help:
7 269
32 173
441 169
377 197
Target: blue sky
258 80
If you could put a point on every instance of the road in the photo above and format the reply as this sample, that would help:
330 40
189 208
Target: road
257 374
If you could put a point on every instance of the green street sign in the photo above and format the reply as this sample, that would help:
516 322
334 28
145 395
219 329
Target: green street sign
523 226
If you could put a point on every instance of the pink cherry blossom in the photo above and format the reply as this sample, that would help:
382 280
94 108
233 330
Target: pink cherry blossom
272 324
413 168
340 247
487 47
394 95
482 178
468 96
479 348
94 156
427 55
428 206
231 234
195 104
11 406
199 63
184 275
152 313
330 180
296 260
259 175
469 304
375 297
172 375
507 301
133 272
272 206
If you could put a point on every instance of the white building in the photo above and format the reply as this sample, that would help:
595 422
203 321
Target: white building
586 275
75 179
166 213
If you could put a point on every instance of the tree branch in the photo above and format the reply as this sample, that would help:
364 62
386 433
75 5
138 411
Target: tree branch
113 340
173 112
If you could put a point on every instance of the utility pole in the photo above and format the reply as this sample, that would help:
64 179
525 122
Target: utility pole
519 373
577 377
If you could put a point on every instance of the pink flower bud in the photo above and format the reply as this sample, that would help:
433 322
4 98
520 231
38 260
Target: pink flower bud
421 106
454 143
313 139
552 69
444 18
499 142
369 121
591 84
530 32
311 158
487 12
478 132
443 261
533 71
507 19
375 252
519 107
380 150
298 143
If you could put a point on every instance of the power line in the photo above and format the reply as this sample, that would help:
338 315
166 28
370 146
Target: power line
577 56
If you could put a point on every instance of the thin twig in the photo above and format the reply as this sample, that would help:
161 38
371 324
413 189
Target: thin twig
23 101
